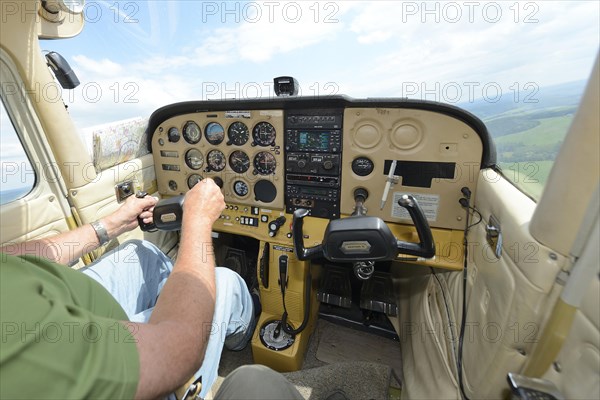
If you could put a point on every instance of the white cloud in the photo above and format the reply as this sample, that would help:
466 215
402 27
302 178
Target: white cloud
104 67
475 49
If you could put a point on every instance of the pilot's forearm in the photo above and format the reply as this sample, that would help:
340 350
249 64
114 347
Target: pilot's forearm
172 345
65 247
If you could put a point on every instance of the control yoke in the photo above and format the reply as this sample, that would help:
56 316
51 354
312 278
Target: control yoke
365 238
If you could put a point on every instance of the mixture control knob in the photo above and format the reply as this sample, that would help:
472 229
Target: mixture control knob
275 225
328 165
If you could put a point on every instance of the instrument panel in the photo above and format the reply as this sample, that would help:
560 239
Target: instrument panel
273 156
241 151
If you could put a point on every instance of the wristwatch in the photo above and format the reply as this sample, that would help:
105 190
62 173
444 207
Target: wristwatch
100 232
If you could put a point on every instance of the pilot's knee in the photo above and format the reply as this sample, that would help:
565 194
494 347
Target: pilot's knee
227 277
229 283
256 381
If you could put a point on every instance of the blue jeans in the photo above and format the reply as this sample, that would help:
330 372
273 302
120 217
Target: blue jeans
135 273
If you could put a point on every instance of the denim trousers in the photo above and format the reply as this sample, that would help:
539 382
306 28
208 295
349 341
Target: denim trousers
135 273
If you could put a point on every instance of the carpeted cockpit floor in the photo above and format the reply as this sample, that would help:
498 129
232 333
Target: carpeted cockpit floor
340 362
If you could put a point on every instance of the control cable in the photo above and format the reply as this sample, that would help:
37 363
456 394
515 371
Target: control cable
465 202
307 304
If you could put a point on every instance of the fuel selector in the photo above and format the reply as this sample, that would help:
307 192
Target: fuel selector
275 225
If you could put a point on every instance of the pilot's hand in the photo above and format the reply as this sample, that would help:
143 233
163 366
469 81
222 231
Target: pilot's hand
125 218
203 203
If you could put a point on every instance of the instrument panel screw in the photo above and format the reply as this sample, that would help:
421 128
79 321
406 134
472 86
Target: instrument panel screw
522 352
51 199
553 256
466 136
74 193
459 218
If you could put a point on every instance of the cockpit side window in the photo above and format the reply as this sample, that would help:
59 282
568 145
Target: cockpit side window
528 139
18 176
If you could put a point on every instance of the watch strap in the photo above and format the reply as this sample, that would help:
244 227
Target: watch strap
100 232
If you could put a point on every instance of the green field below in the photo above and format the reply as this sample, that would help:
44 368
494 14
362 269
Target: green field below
526 157
530 176
549 132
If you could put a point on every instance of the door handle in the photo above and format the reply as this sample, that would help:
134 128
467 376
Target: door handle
494 235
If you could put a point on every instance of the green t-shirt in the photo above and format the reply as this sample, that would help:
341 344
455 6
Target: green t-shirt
61 335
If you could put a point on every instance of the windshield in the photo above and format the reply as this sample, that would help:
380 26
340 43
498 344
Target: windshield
519 66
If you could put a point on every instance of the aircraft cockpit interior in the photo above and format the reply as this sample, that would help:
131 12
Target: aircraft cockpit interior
386 244
348 183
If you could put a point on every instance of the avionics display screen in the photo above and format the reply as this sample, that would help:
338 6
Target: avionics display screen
313 140
314 191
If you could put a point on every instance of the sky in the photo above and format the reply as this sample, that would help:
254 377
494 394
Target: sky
136 56
143 55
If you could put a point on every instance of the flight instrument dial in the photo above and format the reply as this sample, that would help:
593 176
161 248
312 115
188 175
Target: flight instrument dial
240 188
239 161
238 134
216 160
191 132
263 134
194 159
214 133
264 163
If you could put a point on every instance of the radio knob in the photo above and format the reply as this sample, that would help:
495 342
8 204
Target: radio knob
328 165
301 163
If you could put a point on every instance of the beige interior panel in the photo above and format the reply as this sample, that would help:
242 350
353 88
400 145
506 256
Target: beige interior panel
507 297
33 217
496 196
179 149
409 135
425 339
97 199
